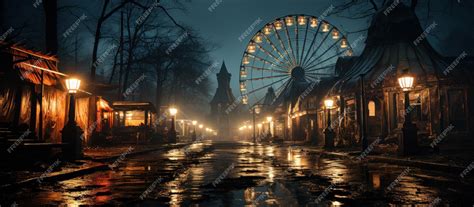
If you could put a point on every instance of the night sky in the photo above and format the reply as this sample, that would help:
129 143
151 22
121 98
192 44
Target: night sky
231 18
222 27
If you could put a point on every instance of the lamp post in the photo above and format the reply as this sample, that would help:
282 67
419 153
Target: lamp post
172 132
71 133
408 140
269 119
259 129
193 136
329 132
200 130
363 118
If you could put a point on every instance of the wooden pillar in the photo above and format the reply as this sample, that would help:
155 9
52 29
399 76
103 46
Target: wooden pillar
33 101
146 118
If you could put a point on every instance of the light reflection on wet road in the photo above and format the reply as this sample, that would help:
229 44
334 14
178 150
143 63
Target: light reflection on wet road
253 175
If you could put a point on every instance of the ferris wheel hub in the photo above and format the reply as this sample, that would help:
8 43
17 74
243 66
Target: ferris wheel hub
297 73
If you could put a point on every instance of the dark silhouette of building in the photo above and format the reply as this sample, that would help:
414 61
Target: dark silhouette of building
223 104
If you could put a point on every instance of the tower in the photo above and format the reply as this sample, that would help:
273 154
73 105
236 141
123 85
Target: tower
222 104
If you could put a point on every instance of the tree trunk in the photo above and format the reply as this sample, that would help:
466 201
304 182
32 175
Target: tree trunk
97 39
51 22
159 85
413 4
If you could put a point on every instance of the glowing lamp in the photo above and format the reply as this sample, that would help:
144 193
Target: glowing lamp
301 20
325 27
289 21
313 22
246 60
173 111
278 25
329 103
406 82
335 34
267 30
73 84
242 87
344 43
251 48
243 73
269 118
258 38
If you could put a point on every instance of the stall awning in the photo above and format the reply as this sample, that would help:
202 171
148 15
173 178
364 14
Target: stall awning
132 105
31 64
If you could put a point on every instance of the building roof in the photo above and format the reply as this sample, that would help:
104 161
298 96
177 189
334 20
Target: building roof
133 105
30 64
223 92
394 44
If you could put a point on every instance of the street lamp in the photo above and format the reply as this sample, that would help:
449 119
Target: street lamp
408 141
193 136
259 129
329 132
71 133
172 132
269 119
200 130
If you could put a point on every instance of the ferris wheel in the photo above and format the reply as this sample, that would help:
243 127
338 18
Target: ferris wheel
293 48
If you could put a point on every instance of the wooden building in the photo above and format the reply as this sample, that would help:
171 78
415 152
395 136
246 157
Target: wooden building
441 96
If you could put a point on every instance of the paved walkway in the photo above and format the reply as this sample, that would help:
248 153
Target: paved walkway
95 159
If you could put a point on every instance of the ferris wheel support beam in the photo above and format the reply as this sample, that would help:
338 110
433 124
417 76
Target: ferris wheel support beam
312 43
276 49
267 77
289 44
322 54
266 69
319 45
284 47
310 69
271 55
319 63
297 44
269 62
265 86
304 43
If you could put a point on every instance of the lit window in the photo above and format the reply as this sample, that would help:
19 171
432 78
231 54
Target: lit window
371 108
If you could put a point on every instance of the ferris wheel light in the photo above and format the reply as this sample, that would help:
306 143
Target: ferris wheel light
344 43
251 48
289 21
258 38
256 53
349 53
245 99
267 30
313 22
301 20
278 25
325 27
335 34
246 60
243 73
242 87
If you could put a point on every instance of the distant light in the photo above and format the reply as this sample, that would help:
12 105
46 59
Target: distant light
269 118
173 111
329 103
